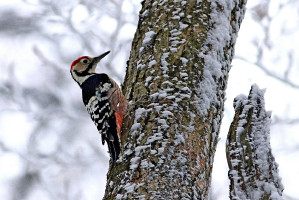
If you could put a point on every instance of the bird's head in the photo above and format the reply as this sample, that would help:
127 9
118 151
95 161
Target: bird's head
85 66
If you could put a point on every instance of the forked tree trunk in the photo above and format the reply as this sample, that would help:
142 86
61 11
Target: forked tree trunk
175 80
253 171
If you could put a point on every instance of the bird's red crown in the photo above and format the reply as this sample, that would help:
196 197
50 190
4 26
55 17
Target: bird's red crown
76 61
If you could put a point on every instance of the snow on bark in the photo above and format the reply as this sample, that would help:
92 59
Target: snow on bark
176 77
253 172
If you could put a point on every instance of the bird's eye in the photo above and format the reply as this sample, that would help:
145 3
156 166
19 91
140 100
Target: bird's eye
85 61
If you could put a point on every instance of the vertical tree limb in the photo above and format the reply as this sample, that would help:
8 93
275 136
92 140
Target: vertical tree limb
176 80
253 172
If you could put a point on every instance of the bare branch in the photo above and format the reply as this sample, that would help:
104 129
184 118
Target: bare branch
270 73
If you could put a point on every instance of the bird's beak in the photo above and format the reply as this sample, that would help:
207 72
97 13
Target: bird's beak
98 58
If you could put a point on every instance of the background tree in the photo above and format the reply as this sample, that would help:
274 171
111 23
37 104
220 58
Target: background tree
48 145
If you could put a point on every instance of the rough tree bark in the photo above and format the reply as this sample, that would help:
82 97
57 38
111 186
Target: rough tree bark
253 172
176 80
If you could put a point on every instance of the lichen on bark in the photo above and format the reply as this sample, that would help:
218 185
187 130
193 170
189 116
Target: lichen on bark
175 81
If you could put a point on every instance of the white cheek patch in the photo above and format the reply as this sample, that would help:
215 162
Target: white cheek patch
80 79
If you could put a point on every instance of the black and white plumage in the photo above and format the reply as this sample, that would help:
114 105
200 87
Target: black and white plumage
95 97
103 100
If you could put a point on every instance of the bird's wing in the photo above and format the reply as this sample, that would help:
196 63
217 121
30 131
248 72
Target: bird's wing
117 100
118 103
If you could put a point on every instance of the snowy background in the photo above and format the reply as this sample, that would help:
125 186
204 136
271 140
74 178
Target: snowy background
49 147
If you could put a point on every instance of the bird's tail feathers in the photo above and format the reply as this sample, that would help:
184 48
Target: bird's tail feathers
114 148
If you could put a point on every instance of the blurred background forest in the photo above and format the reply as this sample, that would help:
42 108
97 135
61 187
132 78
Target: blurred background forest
49 147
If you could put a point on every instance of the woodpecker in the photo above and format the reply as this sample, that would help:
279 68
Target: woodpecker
103 100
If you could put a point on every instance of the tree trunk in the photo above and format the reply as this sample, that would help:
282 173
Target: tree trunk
253 172
176 80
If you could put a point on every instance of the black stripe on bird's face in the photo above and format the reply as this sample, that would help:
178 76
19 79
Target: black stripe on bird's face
86 71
